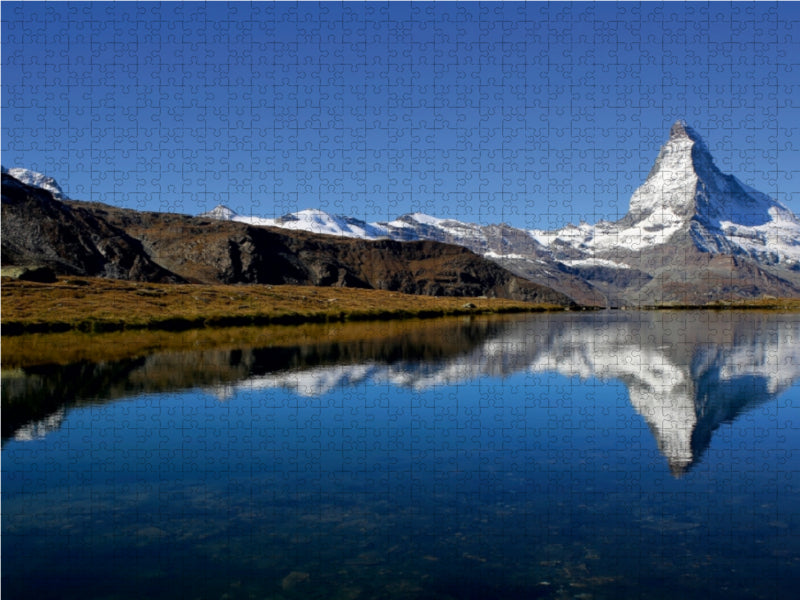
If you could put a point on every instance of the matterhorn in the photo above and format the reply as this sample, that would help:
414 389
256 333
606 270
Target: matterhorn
692 234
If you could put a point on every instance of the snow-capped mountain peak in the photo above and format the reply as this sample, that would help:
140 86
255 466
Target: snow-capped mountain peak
37 180
220 213
686 191
668 193
685 184
681 130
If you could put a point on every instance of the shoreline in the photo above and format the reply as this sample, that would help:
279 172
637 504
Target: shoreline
97 305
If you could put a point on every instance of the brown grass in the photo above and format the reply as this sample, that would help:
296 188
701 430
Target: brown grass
787 304
96 305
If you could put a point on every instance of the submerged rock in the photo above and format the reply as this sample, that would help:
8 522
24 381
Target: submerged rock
293 579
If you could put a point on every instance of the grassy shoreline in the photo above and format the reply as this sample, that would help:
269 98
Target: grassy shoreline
96 305
770 304
105 305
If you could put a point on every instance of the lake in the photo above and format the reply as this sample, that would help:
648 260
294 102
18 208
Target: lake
570 455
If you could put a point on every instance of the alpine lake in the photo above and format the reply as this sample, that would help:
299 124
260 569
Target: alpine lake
612 454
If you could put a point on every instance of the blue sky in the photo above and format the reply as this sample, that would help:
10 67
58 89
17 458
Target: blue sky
532 114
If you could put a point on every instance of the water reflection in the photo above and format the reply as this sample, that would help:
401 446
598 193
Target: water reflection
686 373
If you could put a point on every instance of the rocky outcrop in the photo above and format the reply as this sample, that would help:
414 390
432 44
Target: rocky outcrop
38 230
30 273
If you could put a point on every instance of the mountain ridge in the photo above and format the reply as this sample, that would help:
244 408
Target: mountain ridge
39 230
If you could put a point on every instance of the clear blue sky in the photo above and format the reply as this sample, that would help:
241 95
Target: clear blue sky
532 114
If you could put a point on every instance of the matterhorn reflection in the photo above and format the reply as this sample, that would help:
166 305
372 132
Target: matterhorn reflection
686 372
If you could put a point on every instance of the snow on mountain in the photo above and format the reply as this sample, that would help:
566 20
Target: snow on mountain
318 221
419 218
220 213
38 180
669 191
686 191
595 262
312 220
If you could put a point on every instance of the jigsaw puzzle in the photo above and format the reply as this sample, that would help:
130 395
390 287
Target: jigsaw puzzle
400 300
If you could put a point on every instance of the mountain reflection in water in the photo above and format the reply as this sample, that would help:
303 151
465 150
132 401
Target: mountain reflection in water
685 372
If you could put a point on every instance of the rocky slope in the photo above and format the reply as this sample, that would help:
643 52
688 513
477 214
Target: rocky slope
38 230
79 238
206 250
692 234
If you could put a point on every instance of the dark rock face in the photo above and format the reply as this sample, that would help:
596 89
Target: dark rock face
39 230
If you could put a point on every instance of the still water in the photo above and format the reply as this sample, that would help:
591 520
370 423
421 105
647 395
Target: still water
602 455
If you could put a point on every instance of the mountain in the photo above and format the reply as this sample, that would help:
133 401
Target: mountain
696 233
37 180
691 235
686 192
80 238
39 230
529 259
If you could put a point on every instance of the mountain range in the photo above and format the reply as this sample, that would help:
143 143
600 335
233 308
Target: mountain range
93 239
692 234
